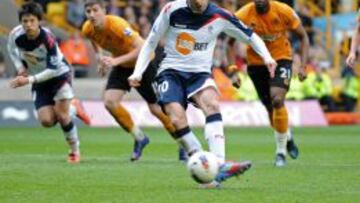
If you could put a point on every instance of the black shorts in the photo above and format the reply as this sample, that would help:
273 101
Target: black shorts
260 76
118 79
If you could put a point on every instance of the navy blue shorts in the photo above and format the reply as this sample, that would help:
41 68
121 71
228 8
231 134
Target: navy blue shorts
179 87
46 93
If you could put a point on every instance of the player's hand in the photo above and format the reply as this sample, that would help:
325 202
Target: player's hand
101 69
19 81
302 74
271 65
108 62
350 61
134 81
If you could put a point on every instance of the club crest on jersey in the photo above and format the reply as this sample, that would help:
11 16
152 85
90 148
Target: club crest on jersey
185 44
127 31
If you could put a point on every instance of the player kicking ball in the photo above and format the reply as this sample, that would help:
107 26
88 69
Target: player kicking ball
190 29
40 63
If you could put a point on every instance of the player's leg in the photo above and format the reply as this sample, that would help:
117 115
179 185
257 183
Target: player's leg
76 109
116 88
208 101
204 93
170 87
69 128
112 98
147 91
62 99
279 87
46 116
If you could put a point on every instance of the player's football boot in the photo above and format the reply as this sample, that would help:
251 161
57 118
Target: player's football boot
292 149
280 160
138 148
73 158
182 155
231 169
80 111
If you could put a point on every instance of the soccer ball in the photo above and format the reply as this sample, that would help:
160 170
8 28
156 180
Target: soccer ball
203 167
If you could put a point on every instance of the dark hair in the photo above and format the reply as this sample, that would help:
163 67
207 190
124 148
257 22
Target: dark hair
101 3
31 8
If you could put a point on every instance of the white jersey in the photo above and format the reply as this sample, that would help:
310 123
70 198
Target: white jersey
36 55
190 38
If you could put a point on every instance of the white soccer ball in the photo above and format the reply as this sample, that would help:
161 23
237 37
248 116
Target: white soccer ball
203 166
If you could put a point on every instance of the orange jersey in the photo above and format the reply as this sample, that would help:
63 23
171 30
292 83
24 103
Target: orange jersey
117 36
272 27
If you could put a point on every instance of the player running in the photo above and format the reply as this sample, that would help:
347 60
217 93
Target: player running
350 61
190 29
115 35
271 20
39 62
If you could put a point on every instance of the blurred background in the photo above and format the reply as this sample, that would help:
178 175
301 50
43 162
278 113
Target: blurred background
329 24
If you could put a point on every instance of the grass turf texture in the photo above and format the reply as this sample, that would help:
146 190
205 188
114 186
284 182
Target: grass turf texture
33 168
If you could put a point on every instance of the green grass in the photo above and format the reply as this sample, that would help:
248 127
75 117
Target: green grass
33 168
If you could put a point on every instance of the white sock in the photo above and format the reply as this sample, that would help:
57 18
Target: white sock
72 138
137 133
214 135
190 143
72 111
281 140
289 134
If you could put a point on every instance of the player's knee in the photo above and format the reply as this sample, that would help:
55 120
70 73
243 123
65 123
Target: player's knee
177 119
47 122
110 103
63 117
277 102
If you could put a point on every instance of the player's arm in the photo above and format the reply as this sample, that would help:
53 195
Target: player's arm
48 73
132 55
239 31
158 30
304 49
355 42
14 54
293 23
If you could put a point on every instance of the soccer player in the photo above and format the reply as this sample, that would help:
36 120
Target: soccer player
190 29
272 20
115 35
350 61
39 62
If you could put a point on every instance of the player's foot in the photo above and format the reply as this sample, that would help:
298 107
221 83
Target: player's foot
182 155
138 148
80 111
280 160
73 158
231 169
292 149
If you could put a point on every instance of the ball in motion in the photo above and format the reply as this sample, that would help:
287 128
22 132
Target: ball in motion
203 167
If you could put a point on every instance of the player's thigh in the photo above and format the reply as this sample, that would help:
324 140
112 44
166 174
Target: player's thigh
281 82
208 100
261 79
170 89
112 97
46 116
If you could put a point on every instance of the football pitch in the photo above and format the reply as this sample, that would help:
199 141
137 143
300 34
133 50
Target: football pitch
33 168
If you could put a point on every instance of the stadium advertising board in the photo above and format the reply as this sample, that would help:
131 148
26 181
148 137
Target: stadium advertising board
305 113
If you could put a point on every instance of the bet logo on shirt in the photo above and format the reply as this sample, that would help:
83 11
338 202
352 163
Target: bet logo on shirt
185 44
